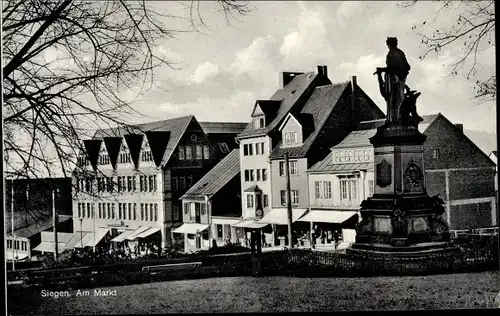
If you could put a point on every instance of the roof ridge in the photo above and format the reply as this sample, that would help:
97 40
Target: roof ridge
183 130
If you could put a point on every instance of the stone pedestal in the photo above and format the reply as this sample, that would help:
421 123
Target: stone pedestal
400 218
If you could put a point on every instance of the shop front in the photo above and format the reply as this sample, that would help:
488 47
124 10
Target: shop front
325 224
277 218
243 230
195 236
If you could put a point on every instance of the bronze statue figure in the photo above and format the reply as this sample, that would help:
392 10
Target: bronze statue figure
400 105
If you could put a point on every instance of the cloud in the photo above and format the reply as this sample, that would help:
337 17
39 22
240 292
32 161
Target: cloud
345 10
204 71
257 59
310 41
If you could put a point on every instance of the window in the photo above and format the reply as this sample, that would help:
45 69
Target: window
266 200
174 183
156 213
135 211
252 175
142 211
151 184
147 156
264 174
249 200
141 183
370 187
365 152
176 212
189 152
250 149
327 186
220 235
257 149
435 153
189 181
295 197
293 166
348 189
9 243
261 148
291 138
134 187
89 211
130 211
109 211
113 214
199 152
151 211
262 122
245 150
17 244
336 157
129 183
181 153
283 197
317 190
182 183
223 148
111 184
351 157
247 175
357 156
79 210
206 151
119 211
258 173
99 210
146 210
145 183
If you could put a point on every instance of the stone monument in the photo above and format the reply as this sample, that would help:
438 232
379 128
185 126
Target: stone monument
400 218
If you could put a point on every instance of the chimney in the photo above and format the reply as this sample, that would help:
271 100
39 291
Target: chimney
460 127
325 71
320 70
353 97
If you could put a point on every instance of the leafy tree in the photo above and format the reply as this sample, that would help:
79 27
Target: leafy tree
59 54
473 31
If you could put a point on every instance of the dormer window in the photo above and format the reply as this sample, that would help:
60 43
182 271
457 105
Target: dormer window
259 122
291 138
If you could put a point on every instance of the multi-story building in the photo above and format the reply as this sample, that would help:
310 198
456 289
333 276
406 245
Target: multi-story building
455 168
303 119
211 206
33 213
130 187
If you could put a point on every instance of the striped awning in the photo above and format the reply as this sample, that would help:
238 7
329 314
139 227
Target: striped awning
97 237
279 216
249 223
136 232
148 232
46 246
75 240
122 236
190 228
336 217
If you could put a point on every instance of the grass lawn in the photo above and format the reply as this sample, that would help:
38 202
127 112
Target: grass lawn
277 294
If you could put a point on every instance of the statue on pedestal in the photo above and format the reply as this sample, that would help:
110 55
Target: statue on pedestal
401 101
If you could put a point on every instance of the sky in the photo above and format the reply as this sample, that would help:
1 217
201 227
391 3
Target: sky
227 67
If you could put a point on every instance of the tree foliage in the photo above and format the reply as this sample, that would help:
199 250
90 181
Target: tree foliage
473 30
59 54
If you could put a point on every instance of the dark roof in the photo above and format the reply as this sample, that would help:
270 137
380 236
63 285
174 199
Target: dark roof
361 136
217 177
319 107
288 95
495 153
222 127
176 127
327 165
35 227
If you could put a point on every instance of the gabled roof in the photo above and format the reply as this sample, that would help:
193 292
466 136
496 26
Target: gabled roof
253 188
320 105
288 95
361 136
217 177
223 127
176 127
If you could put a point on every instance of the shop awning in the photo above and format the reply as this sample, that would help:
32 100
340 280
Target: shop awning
86 240
225 221
122 236
137 231
98 236
46 246
75 240
279 216
249 223
190 228
337 217
148 232
20 256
